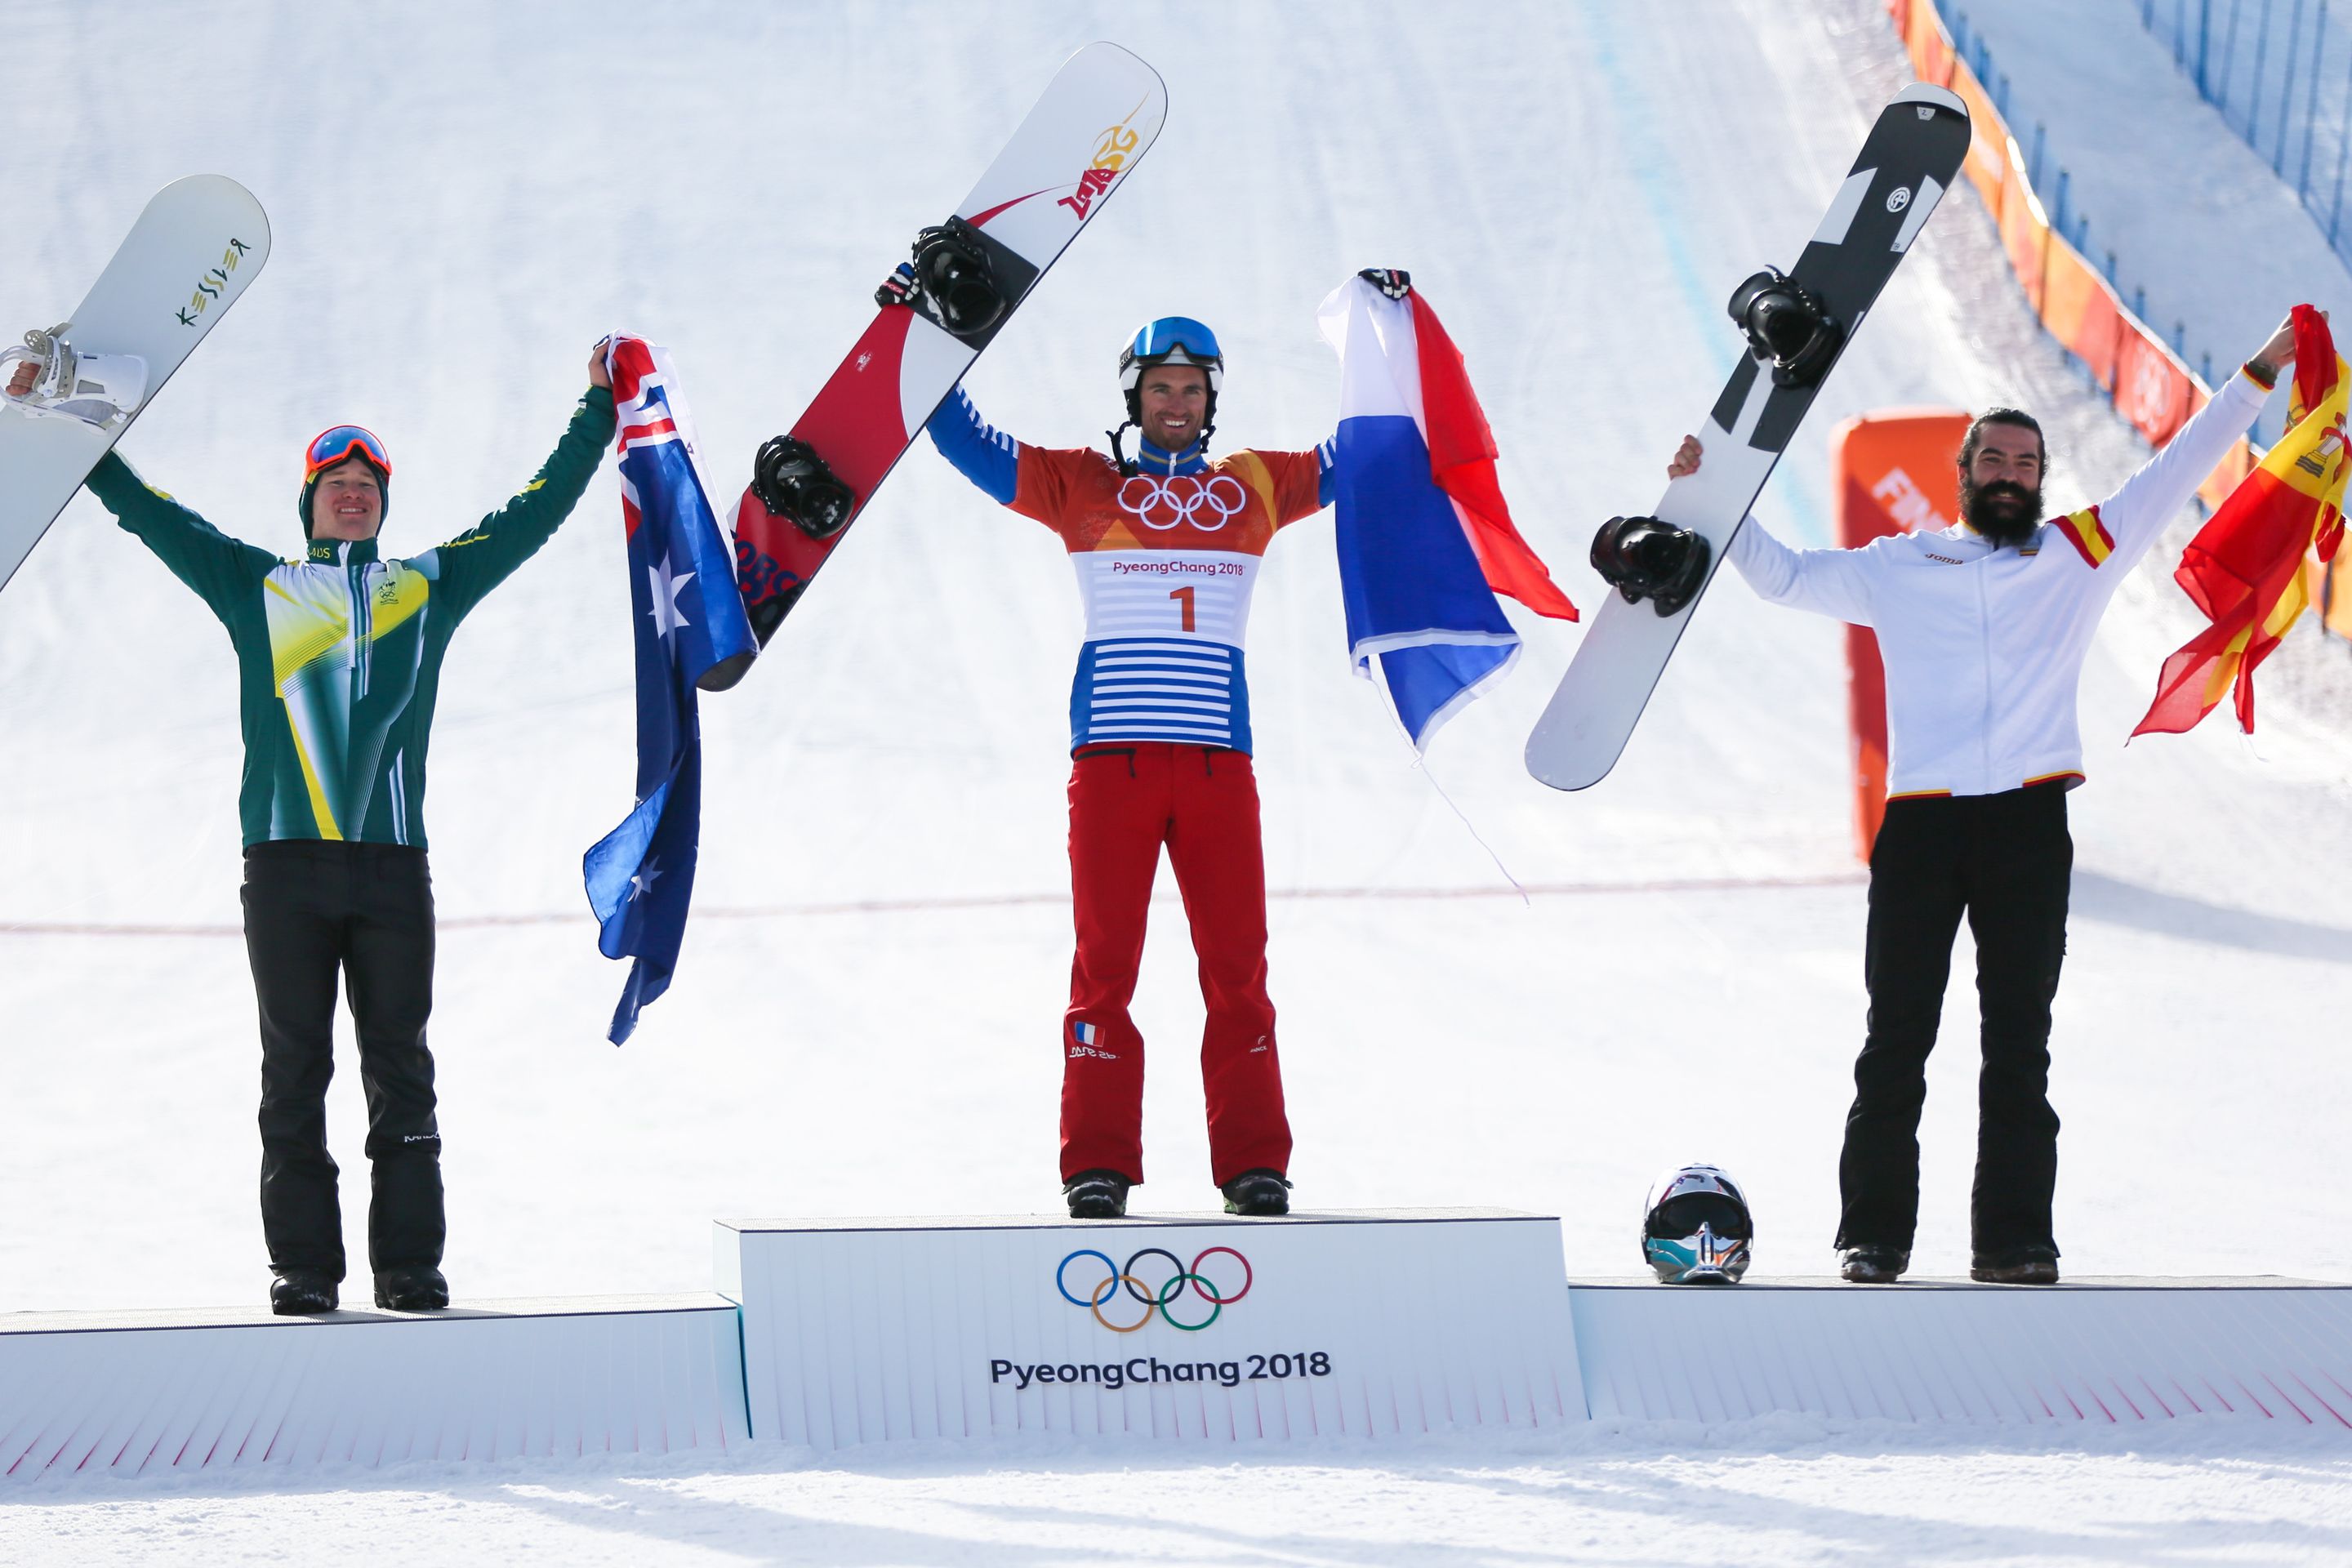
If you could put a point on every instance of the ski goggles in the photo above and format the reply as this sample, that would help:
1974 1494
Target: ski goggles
331 446
1169 334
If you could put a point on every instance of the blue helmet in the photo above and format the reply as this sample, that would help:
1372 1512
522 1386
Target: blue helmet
1697 1230
1170 339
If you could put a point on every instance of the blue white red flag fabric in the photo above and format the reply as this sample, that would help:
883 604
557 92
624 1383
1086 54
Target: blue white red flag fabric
688 618
1425 540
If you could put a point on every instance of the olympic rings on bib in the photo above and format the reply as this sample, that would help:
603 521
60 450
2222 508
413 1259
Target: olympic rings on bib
1164 503
1159 1300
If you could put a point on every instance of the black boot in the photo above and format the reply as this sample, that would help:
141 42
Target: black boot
1097 1195
1874 1265
419 1288
1257 1193
2031 1264
299 1293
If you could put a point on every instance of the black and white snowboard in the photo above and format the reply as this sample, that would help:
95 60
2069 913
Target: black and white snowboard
1798 326
193 251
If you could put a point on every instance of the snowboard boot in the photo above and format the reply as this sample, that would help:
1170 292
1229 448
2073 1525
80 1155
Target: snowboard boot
1874 1265
2029 1265
301 1293
1097 1195
417 1288
1257 1193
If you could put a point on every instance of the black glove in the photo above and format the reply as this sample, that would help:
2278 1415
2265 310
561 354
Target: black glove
1643 558
1394 281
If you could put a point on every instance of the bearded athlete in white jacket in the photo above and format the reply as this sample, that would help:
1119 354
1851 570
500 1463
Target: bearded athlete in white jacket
1983 629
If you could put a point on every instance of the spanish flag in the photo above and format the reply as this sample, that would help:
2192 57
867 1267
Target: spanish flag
2247 569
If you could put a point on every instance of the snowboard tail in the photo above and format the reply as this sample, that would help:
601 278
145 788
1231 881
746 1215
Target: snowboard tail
1095 120
1909 160
194 250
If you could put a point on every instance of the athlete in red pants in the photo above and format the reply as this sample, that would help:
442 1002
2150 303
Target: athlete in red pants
1167 548
1125 801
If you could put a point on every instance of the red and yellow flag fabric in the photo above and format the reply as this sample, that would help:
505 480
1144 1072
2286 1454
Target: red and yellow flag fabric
2246 569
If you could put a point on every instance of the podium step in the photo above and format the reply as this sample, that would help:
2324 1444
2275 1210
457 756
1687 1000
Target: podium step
2099 1351
135 1392
1203 1327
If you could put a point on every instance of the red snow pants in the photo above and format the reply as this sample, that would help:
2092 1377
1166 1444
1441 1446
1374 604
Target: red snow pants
1127 799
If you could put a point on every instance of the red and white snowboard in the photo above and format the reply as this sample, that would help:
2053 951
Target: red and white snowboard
1098 118
193 251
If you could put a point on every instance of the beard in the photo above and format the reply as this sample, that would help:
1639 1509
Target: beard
2003 511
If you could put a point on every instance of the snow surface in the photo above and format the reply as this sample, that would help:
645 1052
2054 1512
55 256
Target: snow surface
863 1021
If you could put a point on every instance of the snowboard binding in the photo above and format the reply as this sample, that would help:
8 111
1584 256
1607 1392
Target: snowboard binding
794 483
952 272
1643 558
1788 325
104 390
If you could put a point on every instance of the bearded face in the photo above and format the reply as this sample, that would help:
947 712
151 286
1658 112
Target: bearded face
2003 511
2001 477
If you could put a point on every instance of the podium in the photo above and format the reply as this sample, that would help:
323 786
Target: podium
1203 1328
1950 1353
143 1393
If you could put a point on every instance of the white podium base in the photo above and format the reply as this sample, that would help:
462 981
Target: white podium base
2097 1351
149 1391
1200 1327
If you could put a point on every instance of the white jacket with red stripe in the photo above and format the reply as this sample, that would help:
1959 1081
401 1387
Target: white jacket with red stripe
1984 645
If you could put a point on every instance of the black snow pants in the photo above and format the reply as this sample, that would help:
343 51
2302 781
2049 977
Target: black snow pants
2005 861
314 910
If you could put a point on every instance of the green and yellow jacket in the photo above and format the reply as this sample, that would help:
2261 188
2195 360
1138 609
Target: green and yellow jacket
339 656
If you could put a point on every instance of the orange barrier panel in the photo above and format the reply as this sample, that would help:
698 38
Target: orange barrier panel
2025 228
1892 472
2080 311
1987 161
2153 390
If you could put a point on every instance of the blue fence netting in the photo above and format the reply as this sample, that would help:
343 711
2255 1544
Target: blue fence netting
2280 74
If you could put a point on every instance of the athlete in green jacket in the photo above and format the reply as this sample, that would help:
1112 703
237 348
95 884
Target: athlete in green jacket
339 658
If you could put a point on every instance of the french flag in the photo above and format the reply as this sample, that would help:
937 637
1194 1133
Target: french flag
1425 540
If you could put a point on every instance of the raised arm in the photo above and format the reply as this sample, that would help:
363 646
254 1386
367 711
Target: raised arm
484 555
2136 514
1647 557
1834 582
980 451
220 569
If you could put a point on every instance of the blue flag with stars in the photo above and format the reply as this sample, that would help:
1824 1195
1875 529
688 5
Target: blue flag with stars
689 620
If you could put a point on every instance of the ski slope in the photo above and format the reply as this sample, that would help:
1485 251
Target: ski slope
865 1017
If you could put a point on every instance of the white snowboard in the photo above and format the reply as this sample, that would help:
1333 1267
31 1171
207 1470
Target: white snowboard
197 246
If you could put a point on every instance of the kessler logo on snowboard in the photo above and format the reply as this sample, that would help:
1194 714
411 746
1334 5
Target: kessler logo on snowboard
195 249
1094 122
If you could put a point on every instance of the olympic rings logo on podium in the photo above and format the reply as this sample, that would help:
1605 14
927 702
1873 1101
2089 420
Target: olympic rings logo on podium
1180 498
1153 1300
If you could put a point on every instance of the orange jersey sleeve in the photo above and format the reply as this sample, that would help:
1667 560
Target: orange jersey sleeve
1054 485
1288 485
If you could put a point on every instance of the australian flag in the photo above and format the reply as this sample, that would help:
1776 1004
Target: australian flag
690 619
1425 541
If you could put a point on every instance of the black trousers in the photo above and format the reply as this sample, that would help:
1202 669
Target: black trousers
314 911
2004 861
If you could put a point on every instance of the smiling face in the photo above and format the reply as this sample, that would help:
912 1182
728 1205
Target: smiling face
1175 404
2000 483
347 502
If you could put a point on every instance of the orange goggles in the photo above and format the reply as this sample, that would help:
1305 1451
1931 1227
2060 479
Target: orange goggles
331 446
